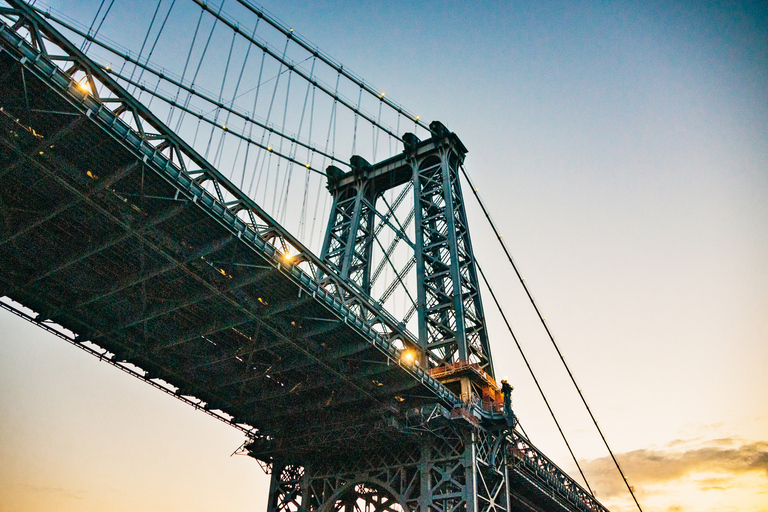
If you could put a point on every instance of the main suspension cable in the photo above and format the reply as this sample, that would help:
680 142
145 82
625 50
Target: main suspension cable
533 375
197 92
261 13
546 328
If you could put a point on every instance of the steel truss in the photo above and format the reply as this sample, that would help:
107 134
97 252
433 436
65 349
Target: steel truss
446 456
93 100
451 320
450 312
103 100
46 53
454 468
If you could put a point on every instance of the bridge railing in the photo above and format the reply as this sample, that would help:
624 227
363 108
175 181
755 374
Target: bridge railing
527 459
91 90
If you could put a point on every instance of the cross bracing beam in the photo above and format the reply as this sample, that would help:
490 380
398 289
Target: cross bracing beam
139 278
208 203
43 145
334 305
99 248
294 367
173 307
337 401
61 208
300 387
450 315
210 329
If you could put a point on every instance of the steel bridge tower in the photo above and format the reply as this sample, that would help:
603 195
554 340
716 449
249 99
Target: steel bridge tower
453 459
450 313
99 191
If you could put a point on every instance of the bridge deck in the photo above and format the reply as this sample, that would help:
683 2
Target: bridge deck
96 241
103 234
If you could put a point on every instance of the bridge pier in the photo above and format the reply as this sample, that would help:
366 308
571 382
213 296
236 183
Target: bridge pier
464 468
291 351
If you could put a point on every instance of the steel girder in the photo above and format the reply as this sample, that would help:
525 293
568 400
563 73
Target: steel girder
196 256
450 468
457 467
446 473
450 312
161 149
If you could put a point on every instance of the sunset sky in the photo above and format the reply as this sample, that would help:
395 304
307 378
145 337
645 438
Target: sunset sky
622 149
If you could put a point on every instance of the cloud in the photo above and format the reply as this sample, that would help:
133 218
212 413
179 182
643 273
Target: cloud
726 457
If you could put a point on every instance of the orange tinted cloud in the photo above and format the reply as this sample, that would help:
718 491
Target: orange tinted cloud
699 466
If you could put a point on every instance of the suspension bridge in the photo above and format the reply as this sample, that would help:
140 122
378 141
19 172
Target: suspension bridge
148 220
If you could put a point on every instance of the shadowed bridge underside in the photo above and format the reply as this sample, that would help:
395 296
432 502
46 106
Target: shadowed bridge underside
141 260
96 241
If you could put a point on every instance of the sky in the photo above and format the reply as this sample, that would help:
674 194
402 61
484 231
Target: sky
622 150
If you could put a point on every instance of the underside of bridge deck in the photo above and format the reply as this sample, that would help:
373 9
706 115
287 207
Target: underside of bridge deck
103 235
95 241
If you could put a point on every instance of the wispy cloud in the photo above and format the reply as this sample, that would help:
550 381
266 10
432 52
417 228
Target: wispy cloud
719 459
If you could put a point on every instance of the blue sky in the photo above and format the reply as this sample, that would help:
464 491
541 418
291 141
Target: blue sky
622 149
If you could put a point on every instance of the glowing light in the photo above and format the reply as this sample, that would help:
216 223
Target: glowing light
416 118
269 148
288 255
83 84
409 356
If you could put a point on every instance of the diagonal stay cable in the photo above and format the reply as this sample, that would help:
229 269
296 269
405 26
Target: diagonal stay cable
549 333
263 14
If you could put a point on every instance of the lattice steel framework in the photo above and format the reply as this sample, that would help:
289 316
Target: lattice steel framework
349 239
447 467
455 471
391 436
451 323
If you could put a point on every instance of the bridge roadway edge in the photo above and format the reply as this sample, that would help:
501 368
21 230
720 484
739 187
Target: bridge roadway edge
199 198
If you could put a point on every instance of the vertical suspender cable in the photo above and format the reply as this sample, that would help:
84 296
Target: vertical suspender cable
221 95
87 44
186 64
275 203
154 44
250 126
219 151
199 65
354 131
144 42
